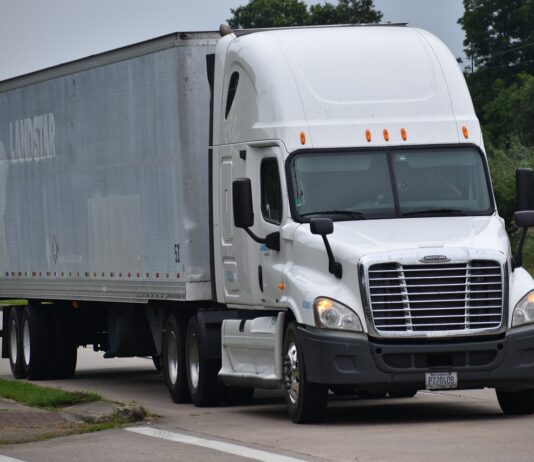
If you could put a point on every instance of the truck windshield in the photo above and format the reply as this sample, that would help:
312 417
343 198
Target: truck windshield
389 184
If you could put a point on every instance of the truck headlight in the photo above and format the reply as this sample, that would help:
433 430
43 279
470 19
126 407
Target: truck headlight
524 311
330 314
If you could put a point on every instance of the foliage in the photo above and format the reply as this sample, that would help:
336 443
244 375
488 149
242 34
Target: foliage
500 36
45 397
269 13
345 12
286 13
510 111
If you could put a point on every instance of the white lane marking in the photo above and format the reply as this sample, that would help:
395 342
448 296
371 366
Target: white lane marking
220 446
9 459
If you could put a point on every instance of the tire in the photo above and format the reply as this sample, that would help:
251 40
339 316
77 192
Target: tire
402 394
238 396
35 340
173 364
306 401
517 402
202 373
64 344
14 333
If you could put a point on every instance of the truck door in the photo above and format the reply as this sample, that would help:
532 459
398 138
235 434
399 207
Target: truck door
270 212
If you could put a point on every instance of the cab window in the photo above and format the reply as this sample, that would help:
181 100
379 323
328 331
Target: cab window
271 191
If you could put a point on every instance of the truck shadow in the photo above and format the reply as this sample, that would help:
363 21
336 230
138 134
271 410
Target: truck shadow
387 411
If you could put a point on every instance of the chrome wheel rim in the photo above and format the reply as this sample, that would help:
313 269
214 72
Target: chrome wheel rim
172 357
292 376
13 341
26 342
194 366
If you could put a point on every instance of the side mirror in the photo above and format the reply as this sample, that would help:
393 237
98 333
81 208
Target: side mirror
242 202
244 213
323 227
524 183
524 220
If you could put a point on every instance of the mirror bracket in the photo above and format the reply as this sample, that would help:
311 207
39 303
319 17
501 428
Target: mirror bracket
323 227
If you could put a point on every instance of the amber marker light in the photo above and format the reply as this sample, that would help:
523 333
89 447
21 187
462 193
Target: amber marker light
281 286
302 138
404 135
386 134
465 131
368 135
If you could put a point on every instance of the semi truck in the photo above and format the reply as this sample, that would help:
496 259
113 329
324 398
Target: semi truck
305 209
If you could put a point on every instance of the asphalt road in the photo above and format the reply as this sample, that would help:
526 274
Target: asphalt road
440 426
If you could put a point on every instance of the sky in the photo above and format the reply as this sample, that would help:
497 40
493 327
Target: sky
35 34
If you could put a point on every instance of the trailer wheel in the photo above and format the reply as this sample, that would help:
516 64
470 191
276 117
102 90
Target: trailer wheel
517 402
174 361
306 401
37 360
14 332
65 346
202 373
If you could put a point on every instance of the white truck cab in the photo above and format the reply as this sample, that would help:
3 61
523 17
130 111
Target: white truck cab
365 222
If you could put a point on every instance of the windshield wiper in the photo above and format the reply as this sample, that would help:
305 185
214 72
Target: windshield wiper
347 213
449 212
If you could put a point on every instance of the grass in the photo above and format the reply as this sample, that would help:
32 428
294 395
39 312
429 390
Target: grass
43 397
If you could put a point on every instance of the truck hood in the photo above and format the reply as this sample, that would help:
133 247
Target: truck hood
352 240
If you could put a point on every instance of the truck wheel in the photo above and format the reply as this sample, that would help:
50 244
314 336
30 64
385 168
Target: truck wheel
36 357
174 361
238 396
516 402
65 345
14 332
306 401
202 373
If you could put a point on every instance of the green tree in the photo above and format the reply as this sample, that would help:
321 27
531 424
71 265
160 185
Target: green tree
284 13
269 13
345 12
499 36
510 112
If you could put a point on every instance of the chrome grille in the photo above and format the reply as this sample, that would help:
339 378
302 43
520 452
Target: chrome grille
437 297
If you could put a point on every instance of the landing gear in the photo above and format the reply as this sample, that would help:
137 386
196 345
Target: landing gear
64 344
306 401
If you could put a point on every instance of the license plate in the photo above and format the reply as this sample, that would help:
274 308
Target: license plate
441 380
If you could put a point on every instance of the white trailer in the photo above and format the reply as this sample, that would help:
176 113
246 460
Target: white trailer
305 208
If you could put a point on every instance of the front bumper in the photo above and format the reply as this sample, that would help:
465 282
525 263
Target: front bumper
337 358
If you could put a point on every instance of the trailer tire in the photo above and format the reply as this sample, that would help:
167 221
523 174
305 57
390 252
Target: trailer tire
64 345
35 339
173 364
202 373
516 402
14 333
306 401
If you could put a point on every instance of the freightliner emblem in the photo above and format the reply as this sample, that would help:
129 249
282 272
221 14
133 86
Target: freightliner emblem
435 259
